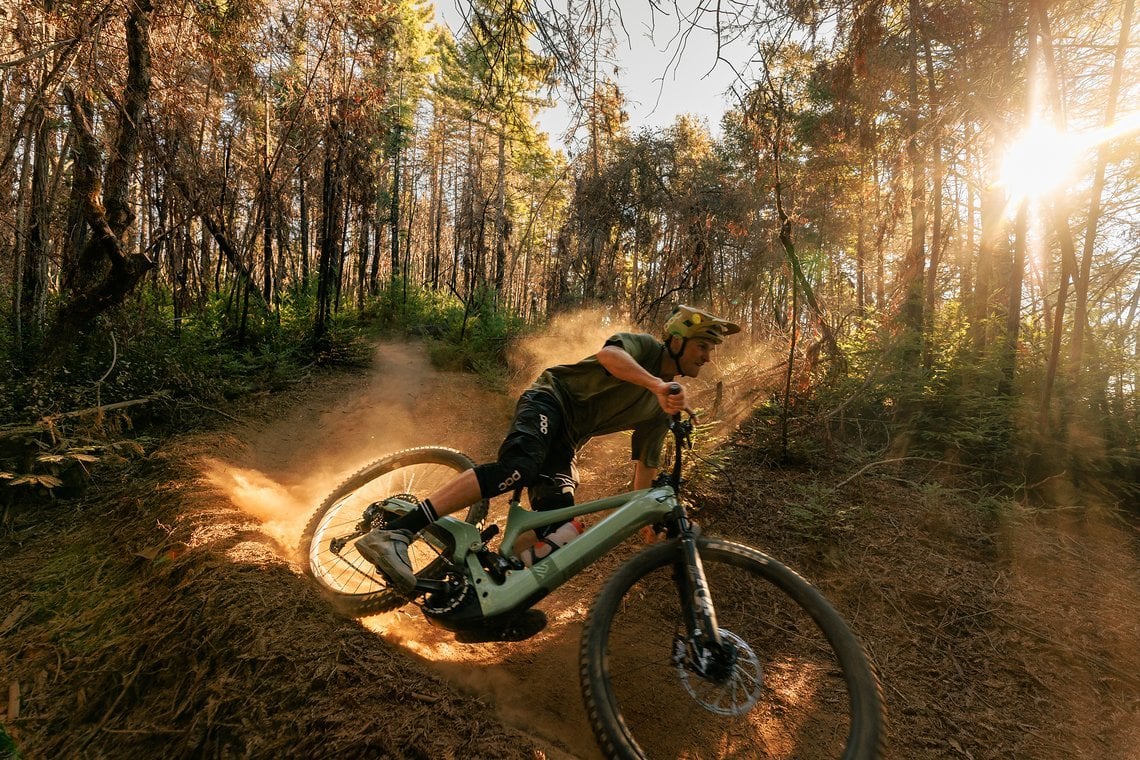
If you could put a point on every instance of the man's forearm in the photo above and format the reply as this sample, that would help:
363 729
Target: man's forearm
624 367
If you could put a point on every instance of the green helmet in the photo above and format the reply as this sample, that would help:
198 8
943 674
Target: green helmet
686 322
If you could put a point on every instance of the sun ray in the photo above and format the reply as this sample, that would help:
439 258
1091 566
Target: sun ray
1042 160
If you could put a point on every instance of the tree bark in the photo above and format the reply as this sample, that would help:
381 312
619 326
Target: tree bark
914 264
936 178
394 208
1013 313
501 216
1058 217
330 228
1081 289
105 272
303 202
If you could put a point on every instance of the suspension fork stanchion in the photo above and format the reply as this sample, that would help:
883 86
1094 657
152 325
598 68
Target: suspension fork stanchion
696 599
700 613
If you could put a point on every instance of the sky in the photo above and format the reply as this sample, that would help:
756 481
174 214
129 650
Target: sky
656 88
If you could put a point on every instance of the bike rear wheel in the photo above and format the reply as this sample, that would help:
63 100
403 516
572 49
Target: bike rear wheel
328 543
801 685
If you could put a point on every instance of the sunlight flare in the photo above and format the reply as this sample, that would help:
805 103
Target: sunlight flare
1039 161
1042 160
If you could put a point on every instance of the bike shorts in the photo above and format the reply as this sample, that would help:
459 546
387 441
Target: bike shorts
537 454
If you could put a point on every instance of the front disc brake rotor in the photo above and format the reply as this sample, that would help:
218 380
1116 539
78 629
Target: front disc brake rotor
736 692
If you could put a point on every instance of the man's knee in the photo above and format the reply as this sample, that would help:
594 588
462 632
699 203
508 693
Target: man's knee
552 492
497 478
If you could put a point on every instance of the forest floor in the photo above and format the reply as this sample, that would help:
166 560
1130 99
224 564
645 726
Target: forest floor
164 613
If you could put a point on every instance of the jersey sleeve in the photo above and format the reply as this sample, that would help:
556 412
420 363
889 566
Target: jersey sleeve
643 348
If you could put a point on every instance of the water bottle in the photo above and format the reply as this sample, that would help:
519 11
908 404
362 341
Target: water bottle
545 546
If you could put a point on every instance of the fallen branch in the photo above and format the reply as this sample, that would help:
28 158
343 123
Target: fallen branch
863 469
46 425
96 410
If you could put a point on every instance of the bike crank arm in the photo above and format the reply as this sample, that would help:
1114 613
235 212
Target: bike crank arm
428 586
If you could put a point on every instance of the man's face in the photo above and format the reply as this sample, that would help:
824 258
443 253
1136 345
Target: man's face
698 352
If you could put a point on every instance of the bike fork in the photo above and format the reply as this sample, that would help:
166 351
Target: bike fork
704 637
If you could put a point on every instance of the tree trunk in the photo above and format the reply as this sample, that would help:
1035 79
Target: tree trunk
377 249
992 247
436 217
341 245
394 209
364 247
914 263
1013 305
861 245
330 226
501 216
936 178
1058 218
33 285
306 246
105 272
1081 290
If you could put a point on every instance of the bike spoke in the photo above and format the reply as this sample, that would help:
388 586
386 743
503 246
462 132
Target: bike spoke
408 476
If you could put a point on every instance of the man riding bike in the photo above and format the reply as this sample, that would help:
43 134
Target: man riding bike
625 386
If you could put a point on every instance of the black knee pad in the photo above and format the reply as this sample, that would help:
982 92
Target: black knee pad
551 492
497 478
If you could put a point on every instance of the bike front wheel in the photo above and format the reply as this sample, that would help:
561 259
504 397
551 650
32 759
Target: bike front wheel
799 686
328 543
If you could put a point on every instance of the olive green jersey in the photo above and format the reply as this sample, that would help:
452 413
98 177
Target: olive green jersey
595 402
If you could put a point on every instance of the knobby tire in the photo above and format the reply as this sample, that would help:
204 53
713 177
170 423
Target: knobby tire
818 694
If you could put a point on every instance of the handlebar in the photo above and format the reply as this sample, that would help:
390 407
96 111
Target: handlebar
681 432
674 389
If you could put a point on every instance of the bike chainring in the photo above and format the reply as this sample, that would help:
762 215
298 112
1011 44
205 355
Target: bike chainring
443 602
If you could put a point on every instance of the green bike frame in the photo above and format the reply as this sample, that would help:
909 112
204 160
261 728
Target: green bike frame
523 587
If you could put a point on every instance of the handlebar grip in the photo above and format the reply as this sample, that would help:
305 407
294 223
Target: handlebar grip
674 389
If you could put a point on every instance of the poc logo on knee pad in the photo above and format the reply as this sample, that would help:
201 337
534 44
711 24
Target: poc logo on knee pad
515 477
543 424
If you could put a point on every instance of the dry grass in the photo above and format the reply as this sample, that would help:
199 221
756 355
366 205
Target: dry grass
155 620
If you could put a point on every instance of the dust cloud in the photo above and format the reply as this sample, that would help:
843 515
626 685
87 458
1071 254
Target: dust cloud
287 465
741 372
566 339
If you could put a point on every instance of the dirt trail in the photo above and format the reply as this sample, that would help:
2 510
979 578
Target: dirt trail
992 635
152 618
288 465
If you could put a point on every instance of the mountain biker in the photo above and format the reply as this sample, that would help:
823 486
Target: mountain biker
624 386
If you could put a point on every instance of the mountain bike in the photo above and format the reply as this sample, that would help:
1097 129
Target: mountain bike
694 647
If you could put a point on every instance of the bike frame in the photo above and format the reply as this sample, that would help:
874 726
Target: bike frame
518 588
521 588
